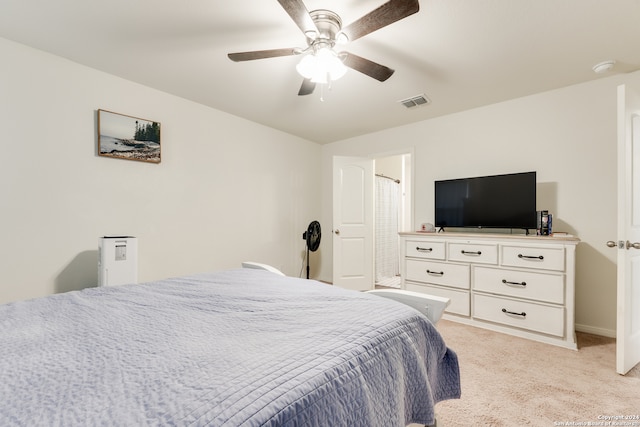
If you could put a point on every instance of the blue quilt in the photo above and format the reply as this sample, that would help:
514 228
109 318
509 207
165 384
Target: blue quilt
235 348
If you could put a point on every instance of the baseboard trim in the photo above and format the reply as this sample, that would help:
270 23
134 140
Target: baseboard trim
596 331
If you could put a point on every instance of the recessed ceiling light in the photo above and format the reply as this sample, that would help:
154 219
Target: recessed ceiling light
604 66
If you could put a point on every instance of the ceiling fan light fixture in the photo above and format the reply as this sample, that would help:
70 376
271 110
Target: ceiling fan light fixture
322 66
307 66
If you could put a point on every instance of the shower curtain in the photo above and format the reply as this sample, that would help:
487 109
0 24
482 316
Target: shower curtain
387 255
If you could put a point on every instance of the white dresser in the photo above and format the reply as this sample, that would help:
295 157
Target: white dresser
515 284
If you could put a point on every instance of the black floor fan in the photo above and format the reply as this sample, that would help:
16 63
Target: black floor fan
312 237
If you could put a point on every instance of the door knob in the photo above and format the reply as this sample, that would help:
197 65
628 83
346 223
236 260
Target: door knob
626 245
337 231
630 245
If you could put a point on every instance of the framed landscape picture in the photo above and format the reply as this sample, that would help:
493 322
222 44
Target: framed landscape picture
126 137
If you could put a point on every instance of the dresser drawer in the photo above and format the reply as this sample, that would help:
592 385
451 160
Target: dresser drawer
425 249
459 304
522 284
480 253
544 258
521 314
439 273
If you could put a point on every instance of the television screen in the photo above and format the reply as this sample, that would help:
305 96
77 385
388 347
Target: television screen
497 201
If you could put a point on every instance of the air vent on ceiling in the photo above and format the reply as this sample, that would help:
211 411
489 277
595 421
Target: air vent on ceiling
415 101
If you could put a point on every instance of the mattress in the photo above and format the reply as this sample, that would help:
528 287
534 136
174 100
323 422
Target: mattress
233 348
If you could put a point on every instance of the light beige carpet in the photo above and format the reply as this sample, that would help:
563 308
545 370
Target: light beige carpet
510 381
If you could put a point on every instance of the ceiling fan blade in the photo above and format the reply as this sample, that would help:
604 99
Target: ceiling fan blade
307 87
370 68
262 54
388 13
300 15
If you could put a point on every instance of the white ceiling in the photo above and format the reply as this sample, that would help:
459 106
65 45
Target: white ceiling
460 53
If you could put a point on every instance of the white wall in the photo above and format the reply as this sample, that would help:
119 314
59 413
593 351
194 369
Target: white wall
390 166
226 190
568 136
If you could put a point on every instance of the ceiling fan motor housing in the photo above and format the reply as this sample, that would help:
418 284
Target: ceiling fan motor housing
328 24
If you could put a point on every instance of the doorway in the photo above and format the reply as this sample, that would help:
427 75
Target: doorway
392 201
354 199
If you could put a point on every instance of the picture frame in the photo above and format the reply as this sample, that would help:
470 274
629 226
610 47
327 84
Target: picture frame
126 137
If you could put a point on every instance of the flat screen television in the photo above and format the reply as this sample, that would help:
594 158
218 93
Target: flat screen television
496 201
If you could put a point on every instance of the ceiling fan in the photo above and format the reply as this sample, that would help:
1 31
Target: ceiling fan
323 30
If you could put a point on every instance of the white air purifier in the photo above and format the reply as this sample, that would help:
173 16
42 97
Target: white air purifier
117 260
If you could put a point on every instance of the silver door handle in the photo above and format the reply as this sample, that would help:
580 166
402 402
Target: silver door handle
619 244
626 245
630 245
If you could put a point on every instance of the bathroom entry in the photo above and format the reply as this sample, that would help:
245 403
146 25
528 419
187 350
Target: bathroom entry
353 225
392 214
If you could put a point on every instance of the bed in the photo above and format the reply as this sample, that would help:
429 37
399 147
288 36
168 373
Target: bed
243 347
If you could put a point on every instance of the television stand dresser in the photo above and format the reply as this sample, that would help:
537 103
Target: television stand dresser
522 285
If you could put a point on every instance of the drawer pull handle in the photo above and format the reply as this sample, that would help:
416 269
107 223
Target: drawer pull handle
523 314
540 257
436 273
463 252
419 249
506 282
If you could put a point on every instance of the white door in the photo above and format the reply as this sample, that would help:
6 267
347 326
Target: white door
628 244
353 223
